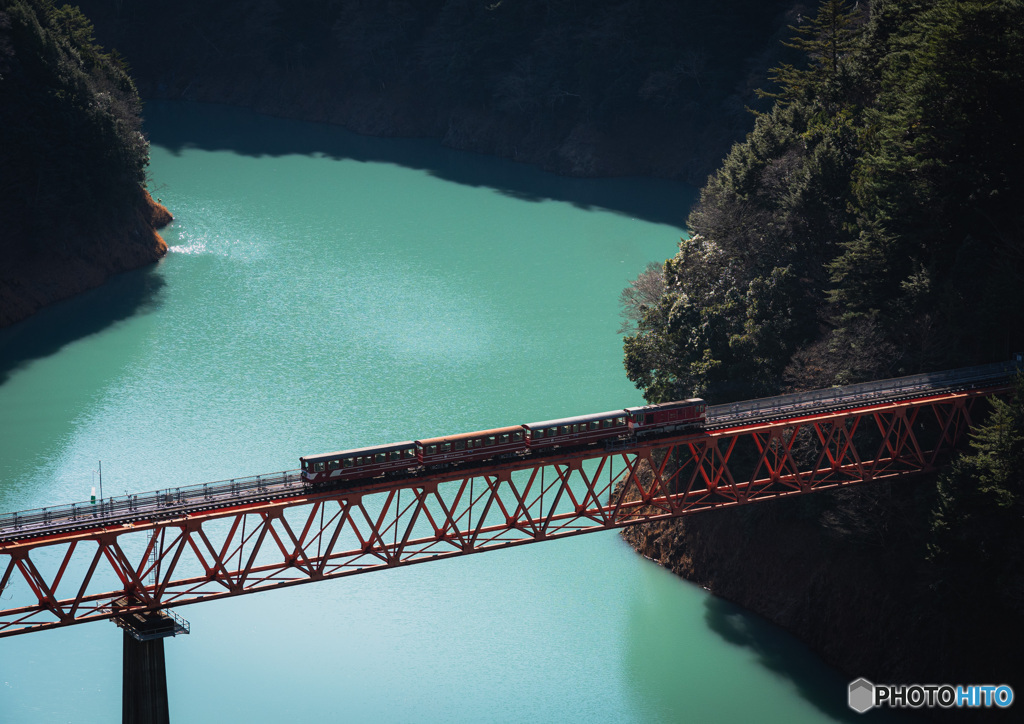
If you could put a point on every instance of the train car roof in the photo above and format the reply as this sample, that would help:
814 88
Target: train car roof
666 405
361 450
470 435
576 420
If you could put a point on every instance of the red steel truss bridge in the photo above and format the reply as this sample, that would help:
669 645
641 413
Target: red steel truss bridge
136 554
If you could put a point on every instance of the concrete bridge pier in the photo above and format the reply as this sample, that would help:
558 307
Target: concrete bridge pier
144 675
144 682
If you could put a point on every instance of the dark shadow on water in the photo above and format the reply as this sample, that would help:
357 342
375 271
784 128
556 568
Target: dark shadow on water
177 126
54 327
819 684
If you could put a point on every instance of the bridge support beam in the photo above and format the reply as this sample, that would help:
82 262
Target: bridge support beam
144 674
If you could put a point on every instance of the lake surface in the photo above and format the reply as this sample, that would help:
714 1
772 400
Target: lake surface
326 291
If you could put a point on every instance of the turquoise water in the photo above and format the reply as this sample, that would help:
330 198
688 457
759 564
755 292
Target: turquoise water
327 291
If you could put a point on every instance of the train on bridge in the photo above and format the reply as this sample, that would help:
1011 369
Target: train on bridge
413 457
533 443
625 427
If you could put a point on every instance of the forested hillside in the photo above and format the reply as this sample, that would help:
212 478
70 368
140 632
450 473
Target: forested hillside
73 207
587 88
871 225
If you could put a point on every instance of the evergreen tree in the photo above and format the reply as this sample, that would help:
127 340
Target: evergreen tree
938 247
976 525
825 41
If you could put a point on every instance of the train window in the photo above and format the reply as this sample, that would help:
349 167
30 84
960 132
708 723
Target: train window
620 420
410 452
594 425
606 423
446 447
347 462
552 431
395 455
504 439
460 444
318 467
431 449
489 440
382 457
517 437
333 465
565 429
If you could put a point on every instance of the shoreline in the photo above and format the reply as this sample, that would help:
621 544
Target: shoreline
29 285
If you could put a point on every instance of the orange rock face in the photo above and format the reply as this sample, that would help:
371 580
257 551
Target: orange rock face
159 216
32 282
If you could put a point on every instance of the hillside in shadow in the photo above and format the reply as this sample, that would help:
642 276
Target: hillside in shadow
610 87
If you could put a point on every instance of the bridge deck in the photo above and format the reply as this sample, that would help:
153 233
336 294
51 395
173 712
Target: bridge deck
69 564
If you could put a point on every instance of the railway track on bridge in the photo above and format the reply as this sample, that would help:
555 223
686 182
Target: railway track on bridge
134 553
175 502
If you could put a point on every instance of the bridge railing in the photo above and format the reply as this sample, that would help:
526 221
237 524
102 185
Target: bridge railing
863 392
108 510
203 495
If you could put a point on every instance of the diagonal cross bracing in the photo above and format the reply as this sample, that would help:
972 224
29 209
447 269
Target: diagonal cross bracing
73 576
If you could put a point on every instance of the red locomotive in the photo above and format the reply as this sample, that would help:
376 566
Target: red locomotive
505 443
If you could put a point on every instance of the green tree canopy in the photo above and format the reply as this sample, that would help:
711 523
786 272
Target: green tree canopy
870 224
